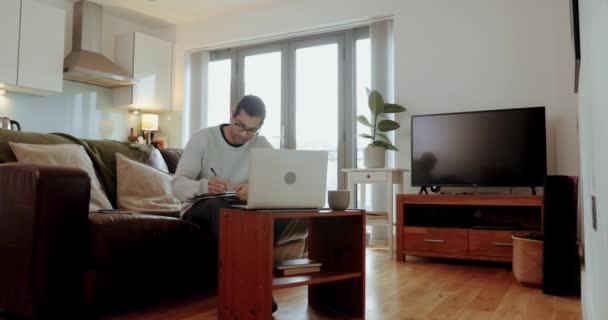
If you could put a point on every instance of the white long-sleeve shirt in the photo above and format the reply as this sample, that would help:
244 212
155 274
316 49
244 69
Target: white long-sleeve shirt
206 149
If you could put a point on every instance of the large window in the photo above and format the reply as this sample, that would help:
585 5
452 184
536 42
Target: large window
262 77
317 103
313 88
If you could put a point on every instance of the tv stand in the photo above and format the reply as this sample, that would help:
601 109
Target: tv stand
533 190
434 189
477 227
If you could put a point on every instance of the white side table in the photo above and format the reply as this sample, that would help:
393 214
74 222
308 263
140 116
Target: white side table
387 176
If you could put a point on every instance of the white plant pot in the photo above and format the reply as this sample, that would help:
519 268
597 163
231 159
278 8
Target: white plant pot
374 157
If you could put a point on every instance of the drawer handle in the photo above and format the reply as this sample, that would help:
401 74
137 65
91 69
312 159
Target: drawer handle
503 244
434 240
368 176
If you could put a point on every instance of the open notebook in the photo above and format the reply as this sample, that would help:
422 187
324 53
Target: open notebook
228 194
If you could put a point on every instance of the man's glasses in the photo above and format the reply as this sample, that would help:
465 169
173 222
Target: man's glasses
243 128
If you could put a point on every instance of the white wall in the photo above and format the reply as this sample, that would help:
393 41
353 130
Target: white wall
593 101
82 109
449 56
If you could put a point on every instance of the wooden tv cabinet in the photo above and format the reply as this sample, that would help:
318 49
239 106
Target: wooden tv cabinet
477 227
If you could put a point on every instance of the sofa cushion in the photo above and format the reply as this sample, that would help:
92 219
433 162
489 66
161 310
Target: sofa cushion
64 155
157 161
119 240
141 188
7 155
172 157
101 153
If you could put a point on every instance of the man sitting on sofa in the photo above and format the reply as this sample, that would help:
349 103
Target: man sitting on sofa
216 160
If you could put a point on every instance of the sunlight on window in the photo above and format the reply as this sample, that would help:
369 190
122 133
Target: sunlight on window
263 79
363 80
313 91
317 104
218 98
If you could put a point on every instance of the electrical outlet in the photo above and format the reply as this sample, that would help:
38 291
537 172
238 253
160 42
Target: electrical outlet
593 213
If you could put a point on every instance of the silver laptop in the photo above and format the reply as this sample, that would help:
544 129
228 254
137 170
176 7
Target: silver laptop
287 179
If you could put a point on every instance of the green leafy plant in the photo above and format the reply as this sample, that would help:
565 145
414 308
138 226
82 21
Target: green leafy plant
379 125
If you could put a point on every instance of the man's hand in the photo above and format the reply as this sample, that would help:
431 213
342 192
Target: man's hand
217 185
242 191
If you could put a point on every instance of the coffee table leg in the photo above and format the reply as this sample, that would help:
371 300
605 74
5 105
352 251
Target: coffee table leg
245 265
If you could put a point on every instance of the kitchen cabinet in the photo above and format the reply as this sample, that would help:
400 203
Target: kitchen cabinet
150 60
9 50
31 55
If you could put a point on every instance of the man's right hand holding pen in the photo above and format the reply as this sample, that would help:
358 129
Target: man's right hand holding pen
217 184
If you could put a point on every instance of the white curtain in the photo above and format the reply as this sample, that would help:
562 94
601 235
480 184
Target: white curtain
381 43
195 110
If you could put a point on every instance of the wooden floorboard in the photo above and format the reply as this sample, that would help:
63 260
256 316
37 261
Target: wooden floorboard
419 288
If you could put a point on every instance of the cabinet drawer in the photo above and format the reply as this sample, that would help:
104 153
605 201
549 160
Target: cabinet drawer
497 243
440 240
362 177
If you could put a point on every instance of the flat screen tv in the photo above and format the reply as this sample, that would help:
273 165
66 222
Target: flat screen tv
505 148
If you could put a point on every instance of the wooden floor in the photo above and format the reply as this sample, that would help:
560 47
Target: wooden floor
416 289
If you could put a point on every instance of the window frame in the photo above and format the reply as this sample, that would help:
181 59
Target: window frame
346 39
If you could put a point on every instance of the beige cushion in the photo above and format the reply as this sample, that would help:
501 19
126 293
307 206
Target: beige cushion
141 188
64 155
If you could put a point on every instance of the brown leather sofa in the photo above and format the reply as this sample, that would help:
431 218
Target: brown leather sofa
57 260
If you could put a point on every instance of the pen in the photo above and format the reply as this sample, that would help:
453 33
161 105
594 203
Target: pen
215 174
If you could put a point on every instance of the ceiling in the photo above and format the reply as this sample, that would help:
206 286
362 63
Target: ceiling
184 11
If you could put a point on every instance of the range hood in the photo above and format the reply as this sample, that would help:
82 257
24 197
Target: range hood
86 63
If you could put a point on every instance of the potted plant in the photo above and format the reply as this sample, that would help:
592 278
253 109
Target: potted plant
374 153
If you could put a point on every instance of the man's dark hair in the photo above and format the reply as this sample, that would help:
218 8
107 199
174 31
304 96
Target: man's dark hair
252 105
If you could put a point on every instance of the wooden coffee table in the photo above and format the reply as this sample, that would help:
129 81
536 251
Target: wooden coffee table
336 238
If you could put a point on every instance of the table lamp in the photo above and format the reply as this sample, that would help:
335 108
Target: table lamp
149 122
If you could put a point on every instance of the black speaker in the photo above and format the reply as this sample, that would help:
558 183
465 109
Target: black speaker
561 268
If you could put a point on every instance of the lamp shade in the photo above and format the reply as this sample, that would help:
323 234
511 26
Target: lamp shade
149 122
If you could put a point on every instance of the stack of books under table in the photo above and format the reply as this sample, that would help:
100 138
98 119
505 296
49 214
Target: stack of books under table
296 266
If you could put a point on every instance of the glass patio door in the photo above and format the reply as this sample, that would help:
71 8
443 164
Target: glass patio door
263 75
316 86
302 84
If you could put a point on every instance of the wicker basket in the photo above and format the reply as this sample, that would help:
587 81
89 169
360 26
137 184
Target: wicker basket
527 260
